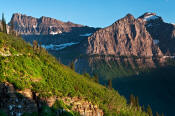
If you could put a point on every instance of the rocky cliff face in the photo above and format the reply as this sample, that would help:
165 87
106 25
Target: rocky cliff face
126 37
44 25
163 33
48 30
17 102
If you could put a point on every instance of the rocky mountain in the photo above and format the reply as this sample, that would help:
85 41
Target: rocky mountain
162 33
48 30
44 25
126 37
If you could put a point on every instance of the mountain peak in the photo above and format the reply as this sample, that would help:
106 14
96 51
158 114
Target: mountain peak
129 16
149 16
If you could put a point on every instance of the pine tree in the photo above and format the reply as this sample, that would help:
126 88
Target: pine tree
35 45
12 27
137 102
72 65
132 100
96 78
149 110
110 84
162 114
157 114
4 27
143 108
1 27
168 53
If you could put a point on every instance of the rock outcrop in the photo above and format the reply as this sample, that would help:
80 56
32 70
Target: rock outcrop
17 102
126 37
13 103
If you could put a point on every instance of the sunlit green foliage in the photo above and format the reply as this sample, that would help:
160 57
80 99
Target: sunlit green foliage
39 71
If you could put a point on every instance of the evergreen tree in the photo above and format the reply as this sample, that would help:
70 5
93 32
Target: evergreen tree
35 45
1 27
162 114
12 27
137 102
168 53
72 65
96 78
143 108
157 114
4 27
110 84
132 100
149 110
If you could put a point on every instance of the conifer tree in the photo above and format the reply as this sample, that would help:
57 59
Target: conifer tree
12 27
157 114
35 45
132 100
1 27
96 78
149 110
137 102
4 27
110 84
72 65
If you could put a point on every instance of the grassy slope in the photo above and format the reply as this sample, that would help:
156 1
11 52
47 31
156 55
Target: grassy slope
42 73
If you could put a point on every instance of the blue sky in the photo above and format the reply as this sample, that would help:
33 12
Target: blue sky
97 13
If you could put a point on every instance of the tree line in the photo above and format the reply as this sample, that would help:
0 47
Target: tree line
4 27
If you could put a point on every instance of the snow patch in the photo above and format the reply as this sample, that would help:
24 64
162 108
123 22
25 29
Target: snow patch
149 25
86 34
155 41
18 114
53 33
34 26
10 107
19 106
169 57
150 17
59 47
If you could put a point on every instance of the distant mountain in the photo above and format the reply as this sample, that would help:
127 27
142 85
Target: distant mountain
44 25
48 30
126 37
162 33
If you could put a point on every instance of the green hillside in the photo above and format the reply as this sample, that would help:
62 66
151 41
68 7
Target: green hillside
27 67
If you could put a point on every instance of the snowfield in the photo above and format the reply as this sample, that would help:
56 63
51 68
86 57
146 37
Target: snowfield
150 17
58 47
156 41
86 34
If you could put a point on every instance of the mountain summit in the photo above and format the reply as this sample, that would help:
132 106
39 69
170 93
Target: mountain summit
126 37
